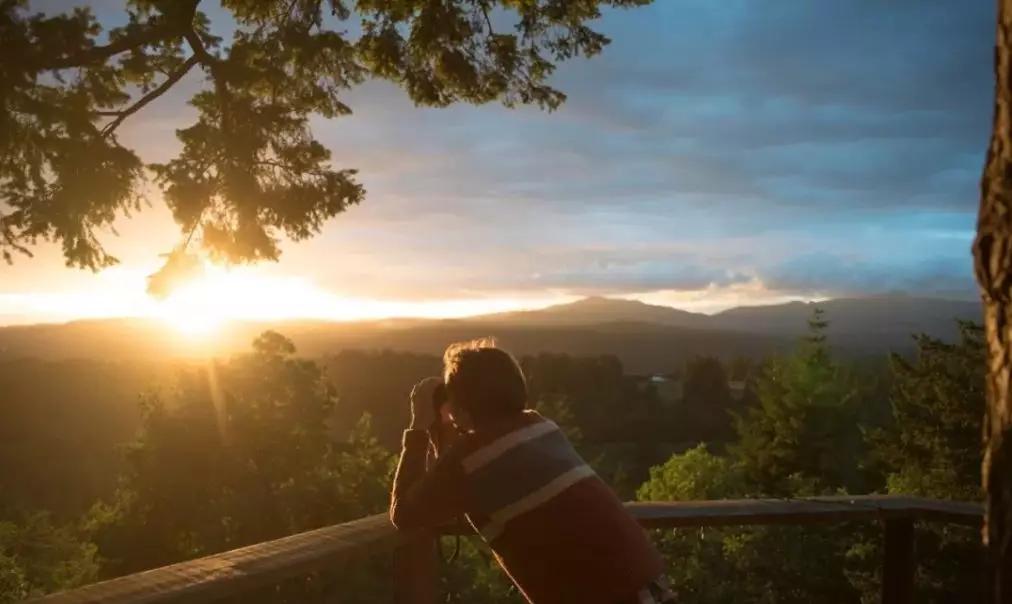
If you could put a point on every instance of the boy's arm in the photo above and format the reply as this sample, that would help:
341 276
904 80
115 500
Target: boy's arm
420 498
423 498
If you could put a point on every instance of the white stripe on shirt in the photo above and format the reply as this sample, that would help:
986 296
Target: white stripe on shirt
504 443
543 495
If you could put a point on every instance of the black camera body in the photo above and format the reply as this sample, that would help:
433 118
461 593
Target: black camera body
439 398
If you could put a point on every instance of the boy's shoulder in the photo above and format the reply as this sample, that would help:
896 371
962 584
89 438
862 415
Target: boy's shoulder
470 442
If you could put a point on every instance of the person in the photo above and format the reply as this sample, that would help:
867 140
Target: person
558 531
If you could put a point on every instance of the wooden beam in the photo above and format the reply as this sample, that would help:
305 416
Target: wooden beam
245 569
898 564
416 571
241 570
814 510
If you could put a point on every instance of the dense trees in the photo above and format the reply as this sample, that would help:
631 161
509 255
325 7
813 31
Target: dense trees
38 556
932 448
60 423
932 445
803 438
790 443
240 454
266 443
706 397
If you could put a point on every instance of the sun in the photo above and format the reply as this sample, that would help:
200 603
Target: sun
192 311
201 307
194 325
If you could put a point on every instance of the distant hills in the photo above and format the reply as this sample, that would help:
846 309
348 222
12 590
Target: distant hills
895 314
648 338
596 310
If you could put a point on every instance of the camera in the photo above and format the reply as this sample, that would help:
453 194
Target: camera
439 398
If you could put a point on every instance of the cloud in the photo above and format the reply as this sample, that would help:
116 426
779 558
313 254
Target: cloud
813 146
837 275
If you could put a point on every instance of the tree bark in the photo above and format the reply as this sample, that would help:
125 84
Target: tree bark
993 266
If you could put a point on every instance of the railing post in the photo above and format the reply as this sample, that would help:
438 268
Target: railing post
898 564
416 572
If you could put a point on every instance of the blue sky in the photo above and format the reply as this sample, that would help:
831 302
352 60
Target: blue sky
716 153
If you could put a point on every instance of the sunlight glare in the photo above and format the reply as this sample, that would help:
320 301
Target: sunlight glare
200 309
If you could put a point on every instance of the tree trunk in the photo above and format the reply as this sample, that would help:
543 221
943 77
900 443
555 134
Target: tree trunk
993 265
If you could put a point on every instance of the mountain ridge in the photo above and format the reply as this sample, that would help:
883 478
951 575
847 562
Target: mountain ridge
645 337
901 309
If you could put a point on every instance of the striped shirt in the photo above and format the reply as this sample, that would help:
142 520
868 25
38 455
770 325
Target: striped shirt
555 527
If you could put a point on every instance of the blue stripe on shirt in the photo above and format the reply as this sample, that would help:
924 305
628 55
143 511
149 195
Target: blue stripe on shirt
522 470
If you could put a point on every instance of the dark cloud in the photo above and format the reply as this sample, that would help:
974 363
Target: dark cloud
712 143
838 275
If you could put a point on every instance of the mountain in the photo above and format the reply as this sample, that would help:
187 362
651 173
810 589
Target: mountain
878 317
596 310
647 338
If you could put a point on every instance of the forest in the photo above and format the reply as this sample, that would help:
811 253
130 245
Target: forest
112 467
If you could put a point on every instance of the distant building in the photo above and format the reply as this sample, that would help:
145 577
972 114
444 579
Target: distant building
668 388
737 388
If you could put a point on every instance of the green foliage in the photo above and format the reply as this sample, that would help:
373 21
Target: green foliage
800 440
249 170
560 410
38 557
474 575
694 474
790 443
804 424
240 453
697 557
735 564
932 448
13 585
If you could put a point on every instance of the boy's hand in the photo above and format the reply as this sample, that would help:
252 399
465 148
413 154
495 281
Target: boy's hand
422 413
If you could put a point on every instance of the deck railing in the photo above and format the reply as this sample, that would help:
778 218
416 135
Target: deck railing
247 569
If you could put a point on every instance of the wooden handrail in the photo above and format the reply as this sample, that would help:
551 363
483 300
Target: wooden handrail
241 570
810 510
248 568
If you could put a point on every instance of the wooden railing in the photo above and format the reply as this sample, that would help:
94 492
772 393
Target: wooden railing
250 568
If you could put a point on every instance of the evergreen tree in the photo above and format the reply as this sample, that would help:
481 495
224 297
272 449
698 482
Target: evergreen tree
933 445
804 424
932 448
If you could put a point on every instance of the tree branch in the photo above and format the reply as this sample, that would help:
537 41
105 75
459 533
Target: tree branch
198 48
147 98
488 21
156 30
97 54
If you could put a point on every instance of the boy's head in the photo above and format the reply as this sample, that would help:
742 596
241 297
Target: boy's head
483 381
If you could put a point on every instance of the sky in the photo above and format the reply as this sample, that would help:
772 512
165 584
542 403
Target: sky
716 154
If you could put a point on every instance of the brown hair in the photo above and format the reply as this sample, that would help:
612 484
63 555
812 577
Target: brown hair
484 379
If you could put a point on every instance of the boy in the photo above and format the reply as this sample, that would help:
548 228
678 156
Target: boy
558 531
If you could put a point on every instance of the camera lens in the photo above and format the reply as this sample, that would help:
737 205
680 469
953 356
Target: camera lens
439 396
